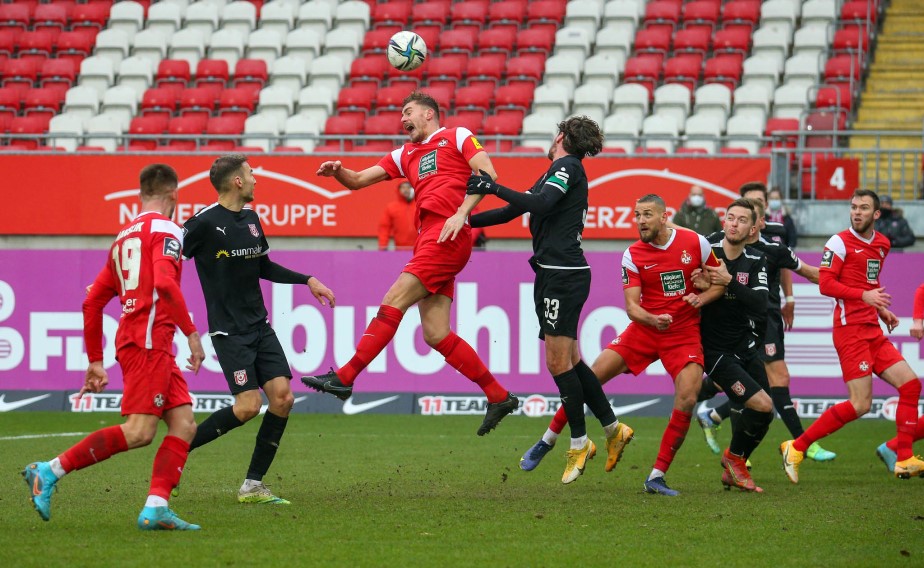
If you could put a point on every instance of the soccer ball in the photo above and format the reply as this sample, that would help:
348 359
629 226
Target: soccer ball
406 51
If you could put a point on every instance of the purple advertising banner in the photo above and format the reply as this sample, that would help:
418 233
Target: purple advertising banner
41 344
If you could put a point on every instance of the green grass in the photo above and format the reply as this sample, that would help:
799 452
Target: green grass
377 490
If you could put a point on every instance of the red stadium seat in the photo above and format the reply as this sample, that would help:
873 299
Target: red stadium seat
251 73
860 12
8 40
10 100
723 69
172 71
496 40
230 126
152 126
545 12
478 97
735 40
835 96
657 40
540 40
486 69
445 71
469 13
23 72
391 98
391 14
34 126
843 68
508 13
824 121
370 69
388 124
776 125
734 151
37 42
503 125
45 102
198 100
470 119
355 99
212 71
519 96
525 68
343 126
59 73
432 13
683 69
694 40
851 39
236 100
50 16
661 12
17 15
701 13
685 150
741 12
92 15
457 41
185 125
159 101
376 41
644 70
377 146
442 94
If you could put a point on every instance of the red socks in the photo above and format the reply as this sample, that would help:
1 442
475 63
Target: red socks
830 421
674 435
381 330
918 434
559 420
98 446
463 358
908 425
168 466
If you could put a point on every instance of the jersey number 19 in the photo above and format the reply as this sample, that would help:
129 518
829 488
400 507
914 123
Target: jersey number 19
127 259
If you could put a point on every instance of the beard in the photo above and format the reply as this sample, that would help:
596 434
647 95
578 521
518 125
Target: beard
863 227
736 241
647 236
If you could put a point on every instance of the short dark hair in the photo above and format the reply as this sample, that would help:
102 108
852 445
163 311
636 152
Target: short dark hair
582 136
223 168
754 186
652 198
423 99
758 207
157 180
745 204
869 193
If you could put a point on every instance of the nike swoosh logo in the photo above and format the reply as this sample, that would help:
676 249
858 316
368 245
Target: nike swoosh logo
857 250
350 407
409 152
620 410
265 407
650 266
8 406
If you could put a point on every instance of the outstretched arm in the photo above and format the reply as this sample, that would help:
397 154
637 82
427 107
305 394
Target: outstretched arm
534 203
497 216
351 179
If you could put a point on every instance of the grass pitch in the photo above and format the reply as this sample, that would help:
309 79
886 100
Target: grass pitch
375 490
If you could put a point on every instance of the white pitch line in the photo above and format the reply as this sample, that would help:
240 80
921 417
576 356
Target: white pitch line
34 436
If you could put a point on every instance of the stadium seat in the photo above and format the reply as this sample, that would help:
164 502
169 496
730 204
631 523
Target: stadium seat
468 14
859 12
81 101
538 131
723 69
137 74
185 126
150 44
781 14
500 125
735 40
251 73
753 100
744 132
390 98
811 40
563 70
202 17
316 16
279 103
574 42
741 13
304 43
214 71
693 40
261 132
388 124
776 125
545 13
429 13
343 43
58 73
824 121
264 44
516 96
391 14
763 70
540 40
505 15
198 101
843 68
103 131
18 15
631 100
37 42
446 71
316 103
644 70
227 45
584 14
592 101
479 97
166 17
524 68
801 69
819 13
355 99
95 71
683 69
240 17
703 132
70 130
714 101
188 44
485 70
354 16
834 97
278 17
551 100
125 16
236 101
288 71
772 40
229 127
10 101
342 128
152 126
300 132
172 72
94 14
660 132
653 40
620 18
31 126
662 12
790 101
472 120
602 70
673 100
327 71
852 39
42 102
701 14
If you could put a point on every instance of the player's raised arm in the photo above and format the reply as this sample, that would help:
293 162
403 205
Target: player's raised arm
352 179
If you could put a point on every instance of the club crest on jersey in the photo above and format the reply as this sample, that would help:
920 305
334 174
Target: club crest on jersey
864 366
685 257
881 253
240 377
427 165
770 348
253 229
738 388
443 143
743 278
159 400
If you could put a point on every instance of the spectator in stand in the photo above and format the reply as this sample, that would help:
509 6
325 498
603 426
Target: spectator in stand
398 220
776 213
695 215
893 224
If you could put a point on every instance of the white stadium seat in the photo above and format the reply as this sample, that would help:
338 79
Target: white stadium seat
552 101
621 131
660 132
744 132
592 101
631 99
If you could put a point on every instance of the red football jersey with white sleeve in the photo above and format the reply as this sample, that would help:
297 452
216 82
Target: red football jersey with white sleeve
855 263
437 168
146 322
663 272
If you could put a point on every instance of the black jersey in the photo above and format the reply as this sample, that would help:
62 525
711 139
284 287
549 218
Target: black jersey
557 234
736 322
228 247
774 232
779 256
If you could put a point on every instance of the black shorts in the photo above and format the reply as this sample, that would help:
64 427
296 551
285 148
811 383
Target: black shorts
774 348
740 376
560 296
250 359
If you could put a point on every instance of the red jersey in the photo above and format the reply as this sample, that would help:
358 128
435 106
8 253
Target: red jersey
851 265
663 272
148 319
918 312
437 169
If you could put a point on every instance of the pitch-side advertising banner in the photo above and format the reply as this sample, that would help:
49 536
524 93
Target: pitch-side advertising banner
97 195
41 344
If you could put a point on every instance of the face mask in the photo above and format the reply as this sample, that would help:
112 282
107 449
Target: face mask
697 200
775 204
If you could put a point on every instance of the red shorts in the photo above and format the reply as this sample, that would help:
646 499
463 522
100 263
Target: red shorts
640 346
152 381
436 264
864 350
